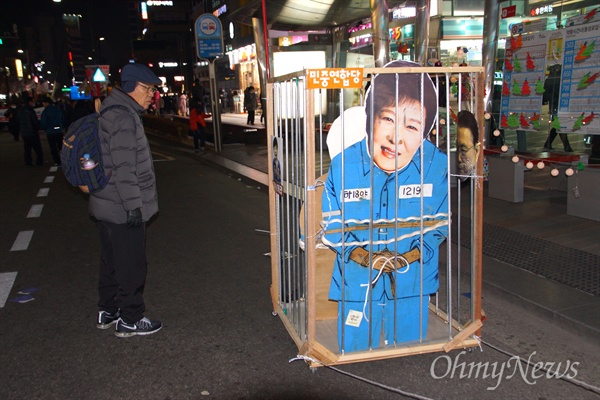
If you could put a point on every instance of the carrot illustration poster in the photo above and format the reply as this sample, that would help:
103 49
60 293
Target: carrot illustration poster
524 76
580 81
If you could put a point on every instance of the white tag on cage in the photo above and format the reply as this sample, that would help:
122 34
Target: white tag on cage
357 194
408 191
354 318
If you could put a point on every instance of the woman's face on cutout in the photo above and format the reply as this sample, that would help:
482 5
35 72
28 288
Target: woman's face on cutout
389 147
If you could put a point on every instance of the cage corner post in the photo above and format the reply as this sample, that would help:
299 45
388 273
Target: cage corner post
272 208
311 228
478 217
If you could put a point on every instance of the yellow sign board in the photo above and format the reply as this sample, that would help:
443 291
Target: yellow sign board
335 78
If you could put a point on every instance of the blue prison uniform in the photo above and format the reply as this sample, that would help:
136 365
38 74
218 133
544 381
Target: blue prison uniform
394 197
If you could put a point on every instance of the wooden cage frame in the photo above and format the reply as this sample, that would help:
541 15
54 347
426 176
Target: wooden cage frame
465 334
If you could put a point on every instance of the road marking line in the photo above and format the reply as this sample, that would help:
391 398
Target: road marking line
35 211
7 279
22 241
43 192
166 157
49 179
53 168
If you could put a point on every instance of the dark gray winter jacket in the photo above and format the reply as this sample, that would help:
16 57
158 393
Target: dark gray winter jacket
28 121
126 155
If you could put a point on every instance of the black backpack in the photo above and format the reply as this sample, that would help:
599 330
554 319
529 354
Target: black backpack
81 154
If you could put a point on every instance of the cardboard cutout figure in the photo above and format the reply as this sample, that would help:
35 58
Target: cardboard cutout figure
467 144
277 185
372 218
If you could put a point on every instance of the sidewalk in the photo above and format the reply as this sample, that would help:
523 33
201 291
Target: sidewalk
534 254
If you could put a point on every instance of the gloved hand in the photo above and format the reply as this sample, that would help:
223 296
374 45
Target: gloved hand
134 218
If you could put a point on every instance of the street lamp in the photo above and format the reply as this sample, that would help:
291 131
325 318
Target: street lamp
100 39
23 67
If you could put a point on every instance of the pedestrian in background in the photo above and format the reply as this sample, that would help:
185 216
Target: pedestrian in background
230 101
53 122
250 104
551 96
263 109
13 120
198 125
237 106
183 105
156 103
161 105
125 205
222 100
29 127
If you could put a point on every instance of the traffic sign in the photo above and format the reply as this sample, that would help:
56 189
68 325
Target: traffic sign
209 36
98 76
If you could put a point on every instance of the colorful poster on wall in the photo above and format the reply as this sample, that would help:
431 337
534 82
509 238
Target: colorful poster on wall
524 76
579 106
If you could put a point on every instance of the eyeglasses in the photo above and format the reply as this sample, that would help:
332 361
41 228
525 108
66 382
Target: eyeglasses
150 89
463 150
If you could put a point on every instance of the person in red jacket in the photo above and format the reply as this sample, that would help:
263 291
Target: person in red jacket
197 125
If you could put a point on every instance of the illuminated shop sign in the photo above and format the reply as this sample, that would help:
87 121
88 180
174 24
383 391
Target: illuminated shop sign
19 67
395 34
290 40
144 11
167 64
165 3
241 55
404 12
547 9
361 27
360 40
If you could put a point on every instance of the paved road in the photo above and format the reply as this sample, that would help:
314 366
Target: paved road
209 282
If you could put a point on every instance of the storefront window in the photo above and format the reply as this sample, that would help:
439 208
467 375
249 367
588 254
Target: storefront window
461 51
468 7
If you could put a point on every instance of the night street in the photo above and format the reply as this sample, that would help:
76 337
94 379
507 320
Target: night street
209 283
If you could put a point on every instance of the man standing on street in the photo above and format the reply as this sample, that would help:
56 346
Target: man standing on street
250 104
124 206
29 127
53 122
